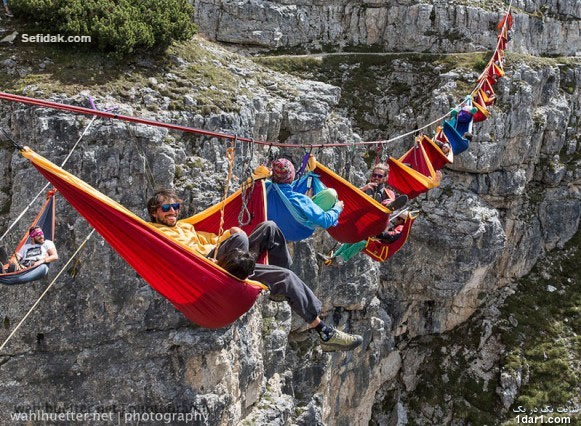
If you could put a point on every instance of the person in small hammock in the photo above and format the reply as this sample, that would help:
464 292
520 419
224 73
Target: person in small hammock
38 252
164 209
322 210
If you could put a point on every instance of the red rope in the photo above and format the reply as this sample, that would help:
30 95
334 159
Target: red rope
106 114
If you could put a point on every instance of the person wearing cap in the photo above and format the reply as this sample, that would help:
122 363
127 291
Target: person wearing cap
284 284
322 210
35 253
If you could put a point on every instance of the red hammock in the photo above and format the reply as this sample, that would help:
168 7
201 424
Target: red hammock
362 216
381 251
413 174
201 290
435 155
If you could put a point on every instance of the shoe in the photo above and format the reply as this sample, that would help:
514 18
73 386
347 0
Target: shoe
467 136
327 260
341 341
398 203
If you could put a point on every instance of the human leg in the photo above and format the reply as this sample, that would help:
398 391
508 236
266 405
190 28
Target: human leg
235 241
285 283
268 237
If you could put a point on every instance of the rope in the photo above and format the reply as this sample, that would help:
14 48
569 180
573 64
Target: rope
47 289
230 153
247 187
44 188
105 114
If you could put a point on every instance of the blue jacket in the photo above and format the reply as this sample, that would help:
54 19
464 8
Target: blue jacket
299 221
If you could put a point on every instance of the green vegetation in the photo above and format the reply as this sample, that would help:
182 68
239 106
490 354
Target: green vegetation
115 26
545 343
200 75
541 333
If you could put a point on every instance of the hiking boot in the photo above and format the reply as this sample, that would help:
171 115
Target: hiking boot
341 341
398 203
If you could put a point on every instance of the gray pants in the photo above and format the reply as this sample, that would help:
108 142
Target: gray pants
280 280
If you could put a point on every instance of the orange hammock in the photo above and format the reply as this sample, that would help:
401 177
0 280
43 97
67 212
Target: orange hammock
205 293
381 251
46 220
362 216
413 174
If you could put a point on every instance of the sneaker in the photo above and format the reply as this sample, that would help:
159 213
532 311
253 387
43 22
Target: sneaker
467 136
341 341
398 203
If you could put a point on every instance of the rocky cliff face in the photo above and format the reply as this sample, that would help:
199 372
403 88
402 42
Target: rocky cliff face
391 26
104 340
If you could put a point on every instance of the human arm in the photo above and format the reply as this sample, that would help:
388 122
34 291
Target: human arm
369 186
315 215
51 255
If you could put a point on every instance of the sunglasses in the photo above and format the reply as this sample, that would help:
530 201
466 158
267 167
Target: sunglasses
165 207
377 175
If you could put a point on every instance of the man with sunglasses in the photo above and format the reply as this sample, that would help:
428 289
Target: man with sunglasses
377 189
163 209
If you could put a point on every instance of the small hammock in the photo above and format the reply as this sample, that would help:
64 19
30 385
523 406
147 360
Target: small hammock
458 126
381 251
362 216
486 93
46 220
494 71
413 174
435 154
458 143
205 293
482 112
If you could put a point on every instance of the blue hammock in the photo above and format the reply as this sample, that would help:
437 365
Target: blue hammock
291 221
457 127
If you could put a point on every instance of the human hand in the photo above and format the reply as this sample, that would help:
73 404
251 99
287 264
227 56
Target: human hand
340 204
370 185
38 263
